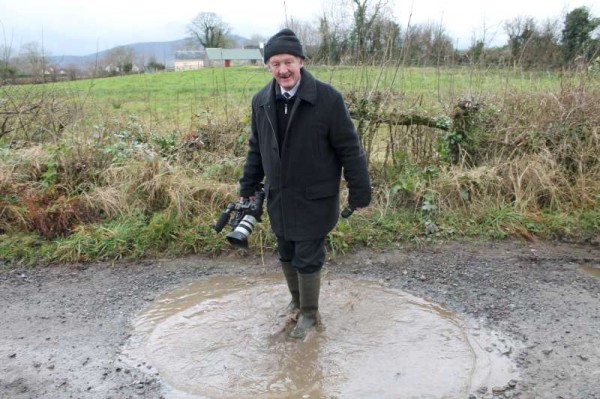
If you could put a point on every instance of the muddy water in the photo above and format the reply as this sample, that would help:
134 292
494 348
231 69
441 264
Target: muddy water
592 270
225 337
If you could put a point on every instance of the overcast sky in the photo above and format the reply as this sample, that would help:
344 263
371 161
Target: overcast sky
81 27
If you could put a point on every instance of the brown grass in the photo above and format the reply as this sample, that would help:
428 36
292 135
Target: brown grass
531 152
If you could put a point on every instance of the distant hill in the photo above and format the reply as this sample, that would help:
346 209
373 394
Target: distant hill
163 52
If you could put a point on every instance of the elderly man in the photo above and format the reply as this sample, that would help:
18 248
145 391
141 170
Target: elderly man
302 138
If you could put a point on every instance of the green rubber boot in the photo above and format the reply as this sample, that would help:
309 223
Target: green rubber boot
291 276
310 285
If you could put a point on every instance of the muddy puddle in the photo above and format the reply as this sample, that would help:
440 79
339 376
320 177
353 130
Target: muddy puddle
590 269
225 337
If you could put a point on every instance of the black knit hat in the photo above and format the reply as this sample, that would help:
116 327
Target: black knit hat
284 42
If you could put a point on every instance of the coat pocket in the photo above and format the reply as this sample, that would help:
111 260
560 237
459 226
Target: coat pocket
323 190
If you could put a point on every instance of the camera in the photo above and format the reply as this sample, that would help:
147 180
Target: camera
246 213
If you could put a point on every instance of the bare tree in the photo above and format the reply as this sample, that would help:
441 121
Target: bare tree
334 30
6 69
427 44
73 71
209 30
119 60
547 44
366 14
384 38
307 33
34 60
255 40
154 66
520 31
532 44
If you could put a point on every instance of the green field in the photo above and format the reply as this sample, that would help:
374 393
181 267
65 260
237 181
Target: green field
171 94
142 165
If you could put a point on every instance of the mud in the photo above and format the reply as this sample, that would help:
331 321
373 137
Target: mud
227 337
65 329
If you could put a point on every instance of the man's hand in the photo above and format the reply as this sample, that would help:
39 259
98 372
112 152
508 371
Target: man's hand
348 211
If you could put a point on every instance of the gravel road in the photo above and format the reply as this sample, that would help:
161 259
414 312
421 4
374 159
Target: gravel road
63 327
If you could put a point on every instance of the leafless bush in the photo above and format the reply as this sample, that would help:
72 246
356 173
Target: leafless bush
531 150
37 113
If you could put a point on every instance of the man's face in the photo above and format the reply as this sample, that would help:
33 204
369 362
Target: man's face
285 68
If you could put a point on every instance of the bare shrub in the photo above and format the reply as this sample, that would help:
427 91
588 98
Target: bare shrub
12 212
156 186
25 165
219 137
37 113
55 216
531 151
533 182
548 145
109 202
467 188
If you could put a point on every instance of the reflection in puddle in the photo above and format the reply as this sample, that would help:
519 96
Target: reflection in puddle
592 270
223 338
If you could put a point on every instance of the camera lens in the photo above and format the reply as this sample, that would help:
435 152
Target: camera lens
239 237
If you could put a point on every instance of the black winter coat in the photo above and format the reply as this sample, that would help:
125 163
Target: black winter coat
302 183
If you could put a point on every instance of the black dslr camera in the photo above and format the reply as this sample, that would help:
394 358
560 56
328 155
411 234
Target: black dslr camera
246 213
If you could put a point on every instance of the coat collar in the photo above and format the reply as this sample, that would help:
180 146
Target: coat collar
306 92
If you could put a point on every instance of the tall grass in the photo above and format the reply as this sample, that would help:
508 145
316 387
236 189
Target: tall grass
145 163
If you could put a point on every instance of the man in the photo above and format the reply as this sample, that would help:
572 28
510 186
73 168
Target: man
302 137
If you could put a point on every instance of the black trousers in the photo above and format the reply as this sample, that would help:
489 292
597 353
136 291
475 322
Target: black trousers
306 256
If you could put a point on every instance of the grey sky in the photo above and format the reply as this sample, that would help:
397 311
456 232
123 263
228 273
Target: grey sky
80 27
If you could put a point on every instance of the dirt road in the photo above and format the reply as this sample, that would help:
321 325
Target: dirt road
63 327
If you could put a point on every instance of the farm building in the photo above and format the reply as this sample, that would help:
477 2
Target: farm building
189 60
217 57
